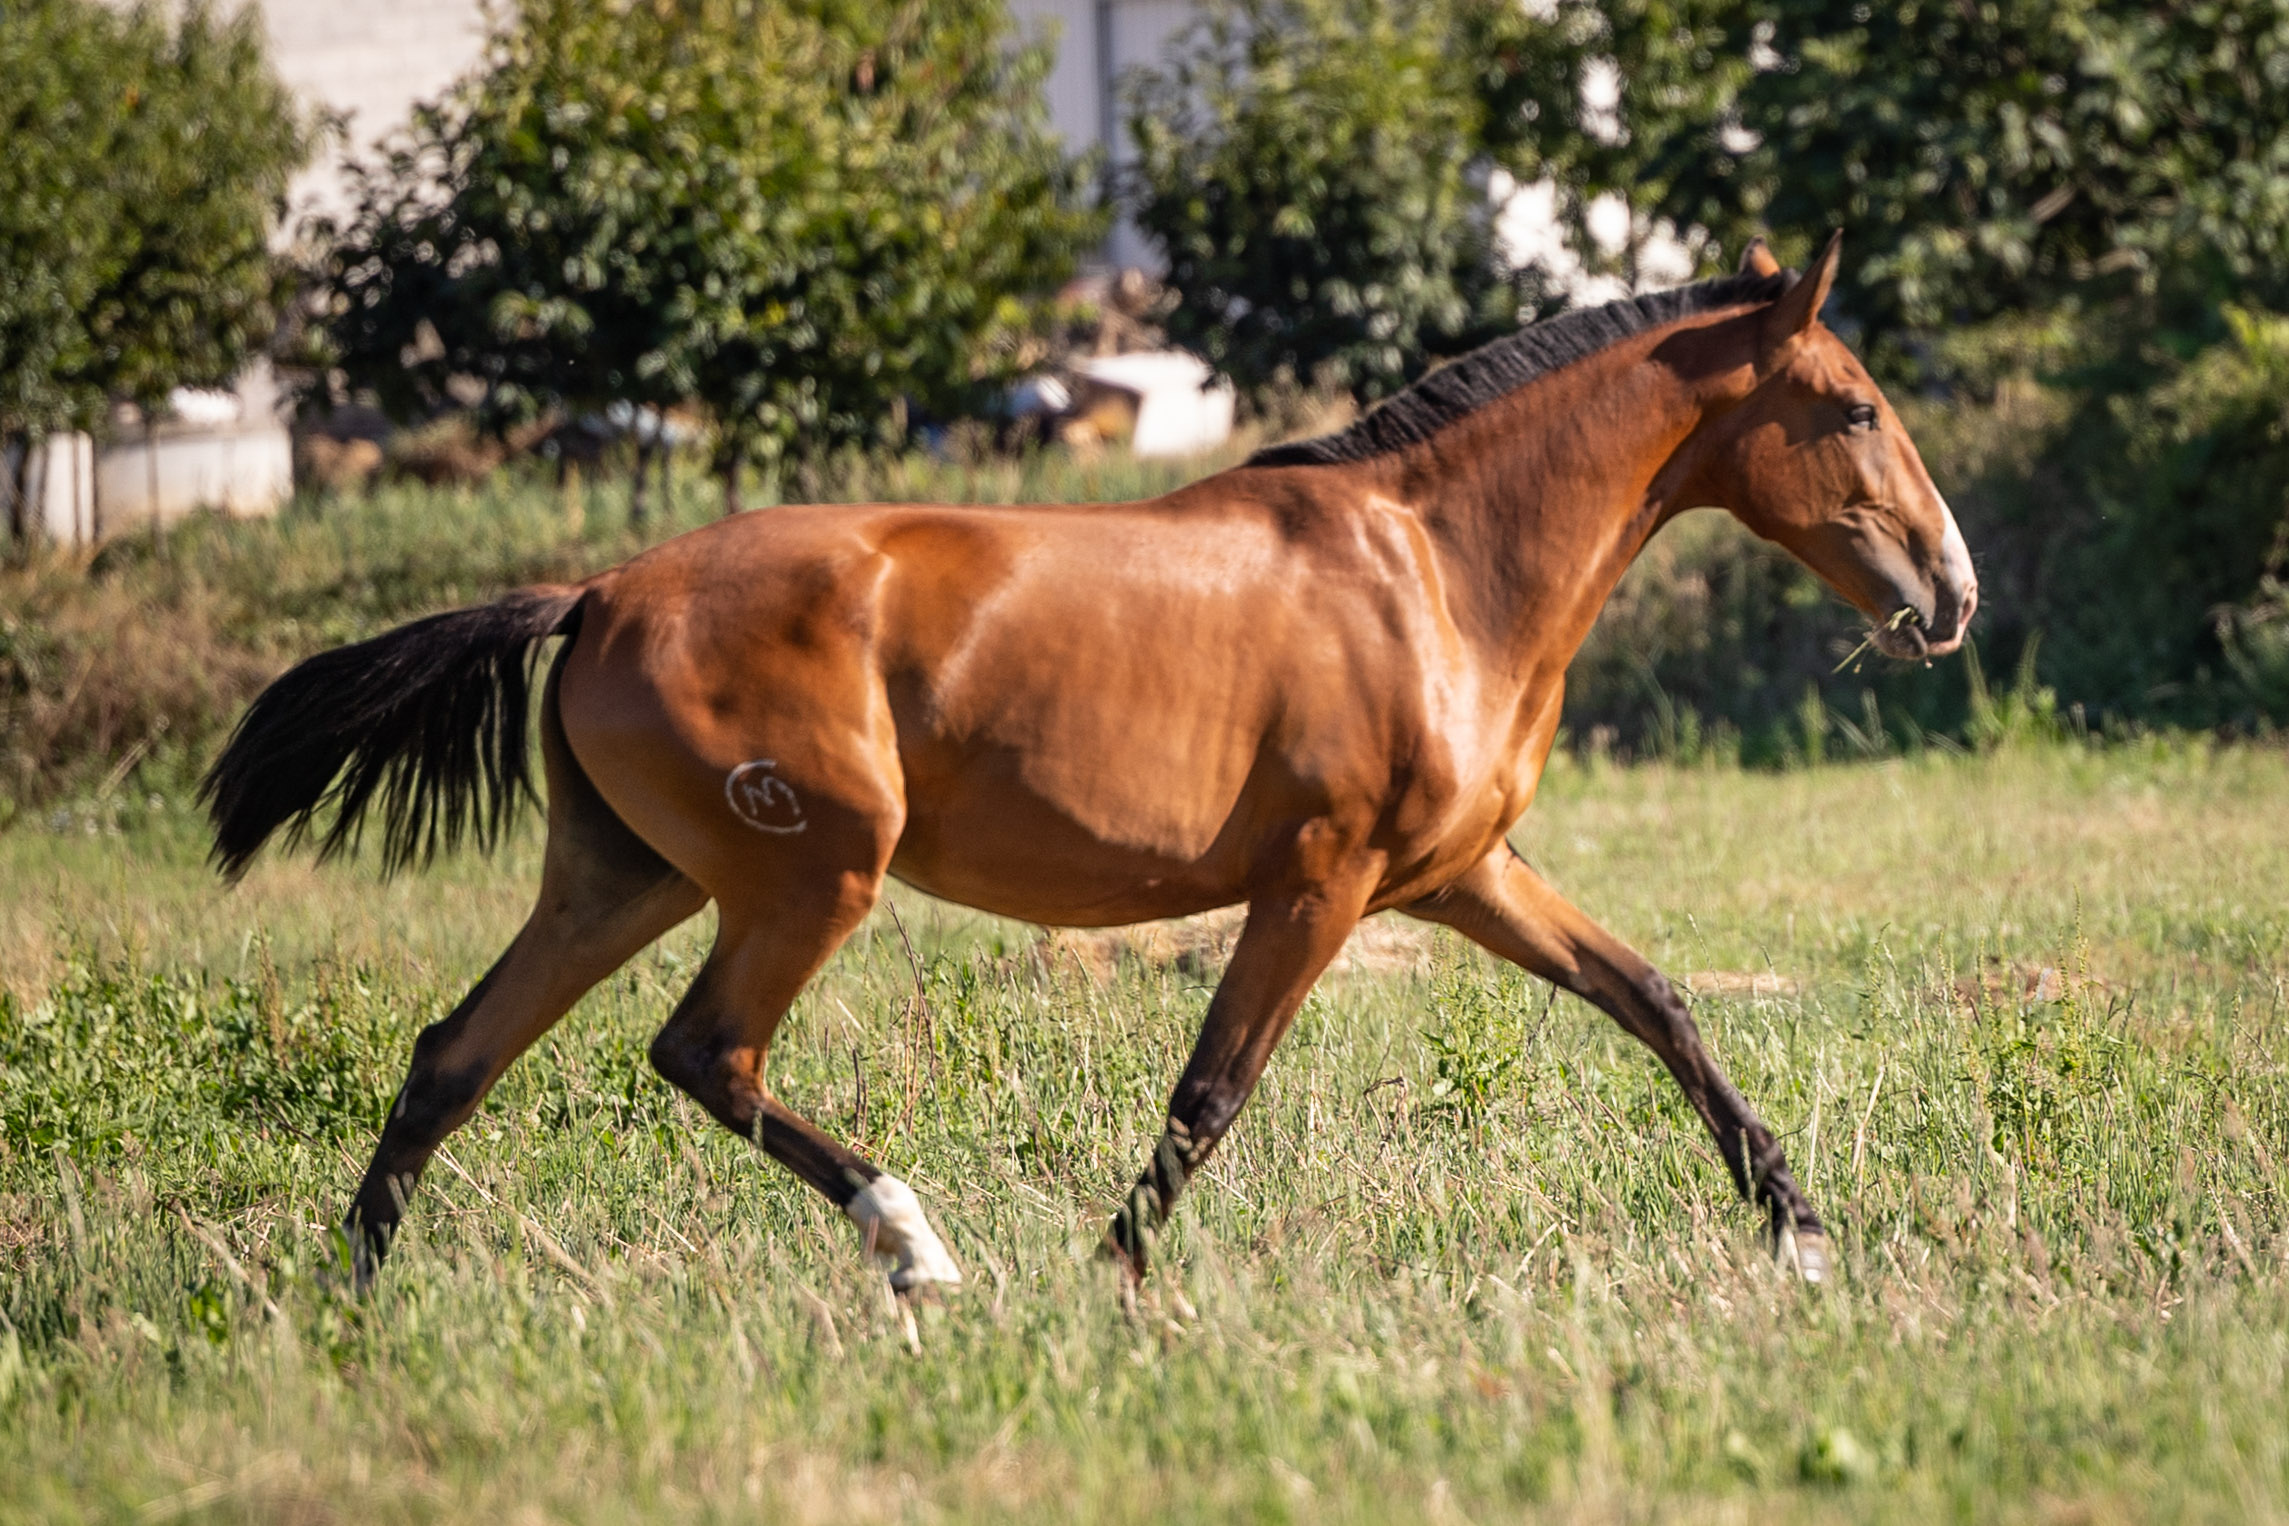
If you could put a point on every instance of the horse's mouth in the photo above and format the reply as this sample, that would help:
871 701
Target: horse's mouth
1910 635
1902 636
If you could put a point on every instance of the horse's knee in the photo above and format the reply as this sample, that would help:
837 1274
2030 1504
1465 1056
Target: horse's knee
1658 996
700 1063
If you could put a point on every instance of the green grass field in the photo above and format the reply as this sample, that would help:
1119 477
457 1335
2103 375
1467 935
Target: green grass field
1466 1257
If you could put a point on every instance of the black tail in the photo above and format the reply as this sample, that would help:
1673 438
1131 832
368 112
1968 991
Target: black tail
430 717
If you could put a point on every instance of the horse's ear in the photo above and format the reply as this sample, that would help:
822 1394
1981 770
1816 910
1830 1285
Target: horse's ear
1798 306
1757 260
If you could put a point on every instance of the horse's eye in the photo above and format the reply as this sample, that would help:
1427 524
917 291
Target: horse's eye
1861 415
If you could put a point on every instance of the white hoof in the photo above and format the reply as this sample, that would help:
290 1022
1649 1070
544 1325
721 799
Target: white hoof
1808 1255
890 1217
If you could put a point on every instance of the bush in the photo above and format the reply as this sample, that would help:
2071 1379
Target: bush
1313 171
798 217
2138 526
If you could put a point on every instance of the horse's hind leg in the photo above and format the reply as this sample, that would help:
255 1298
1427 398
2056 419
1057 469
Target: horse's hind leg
603 896
716 1045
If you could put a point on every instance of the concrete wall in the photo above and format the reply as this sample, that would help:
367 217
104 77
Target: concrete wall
58 483
373 61
77 493
242 469
1097 42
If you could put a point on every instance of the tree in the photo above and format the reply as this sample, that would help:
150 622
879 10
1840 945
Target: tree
145 169
1986 159
1311 169
801 217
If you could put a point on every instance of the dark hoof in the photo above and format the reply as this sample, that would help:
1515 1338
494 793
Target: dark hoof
352 1262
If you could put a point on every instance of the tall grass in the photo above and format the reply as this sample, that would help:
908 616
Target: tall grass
1467 1256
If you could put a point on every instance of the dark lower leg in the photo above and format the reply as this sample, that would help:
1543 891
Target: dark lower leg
727 1079
1760 1171
1137 1223
1281 952
437 1097
716 1046
1507 908
556 958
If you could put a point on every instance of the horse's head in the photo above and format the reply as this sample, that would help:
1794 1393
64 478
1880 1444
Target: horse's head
1814 458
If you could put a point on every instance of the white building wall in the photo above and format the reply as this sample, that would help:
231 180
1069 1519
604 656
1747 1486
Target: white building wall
1098 41
372 61
183 469
57 477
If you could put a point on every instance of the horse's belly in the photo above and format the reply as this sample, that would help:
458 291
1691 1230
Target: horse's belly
1120 835
1090 899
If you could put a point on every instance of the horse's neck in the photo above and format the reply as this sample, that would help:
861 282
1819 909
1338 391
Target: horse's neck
1539 503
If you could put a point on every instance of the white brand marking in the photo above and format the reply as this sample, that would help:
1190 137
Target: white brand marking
762 799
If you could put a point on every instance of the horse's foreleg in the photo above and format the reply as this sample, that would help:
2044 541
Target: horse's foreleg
1507 908
1283 948
717 1044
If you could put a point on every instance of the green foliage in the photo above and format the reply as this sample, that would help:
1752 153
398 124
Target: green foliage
2137 522
118 1062
1483 1048
1312 171
798 217
2026 714
1985 159
146 160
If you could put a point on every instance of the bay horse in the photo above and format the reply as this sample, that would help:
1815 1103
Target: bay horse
1323 683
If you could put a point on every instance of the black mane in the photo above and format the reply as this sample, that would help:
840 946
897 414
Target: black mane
1496 369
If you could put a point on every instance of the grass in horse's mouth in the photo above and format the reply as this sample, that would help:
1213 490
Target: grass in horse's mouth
1901 618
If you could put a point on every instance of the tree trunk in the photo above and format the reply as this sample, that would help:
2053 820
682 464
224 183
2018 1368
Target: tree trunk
151 479
16 460
638 510
734 463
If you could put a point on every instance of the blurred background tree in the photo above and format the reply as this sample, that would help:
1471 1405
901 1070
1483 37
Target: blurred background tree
2053 208
144 162
2069 197
804 219
1314 171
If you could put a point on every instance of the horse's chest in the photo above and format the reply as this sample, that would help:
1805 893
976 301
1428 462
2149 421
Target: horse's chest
1453 797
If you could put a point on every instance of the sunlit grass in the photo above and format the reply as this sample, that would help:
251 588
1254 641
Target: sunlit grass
1466 1255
